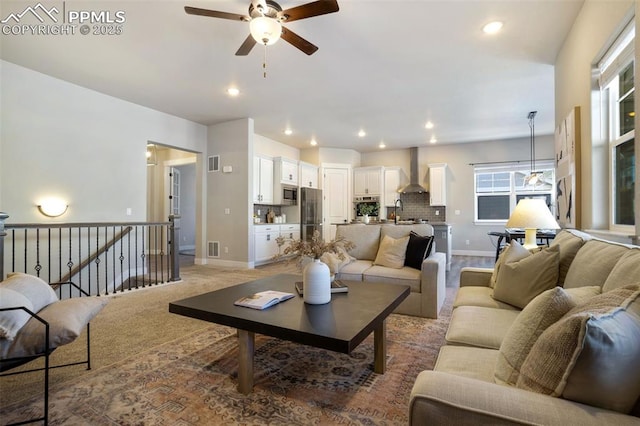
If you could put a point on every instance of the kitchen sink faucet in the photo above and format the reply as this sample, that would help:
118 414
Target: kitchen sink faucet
395 210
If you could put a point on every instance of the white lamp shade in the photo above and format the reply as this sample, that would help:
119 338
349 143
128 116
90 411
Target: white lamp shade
265 30
532 213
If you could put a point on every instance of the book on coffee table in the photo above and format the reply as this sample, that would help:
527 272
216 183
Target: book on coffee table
337 286
263 299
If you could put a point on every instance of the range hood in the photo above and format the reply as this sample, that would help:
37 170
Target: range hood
413 187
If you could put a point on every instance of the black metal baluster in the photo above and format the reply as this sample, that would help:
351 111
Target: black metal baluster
136 255
155 242
97 261
121 258
144 271
113 258
38 267
89 254
70 261
161 252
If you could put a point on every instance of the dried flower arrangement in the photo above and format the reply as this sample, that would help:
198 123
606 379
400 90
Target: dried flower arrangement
314 248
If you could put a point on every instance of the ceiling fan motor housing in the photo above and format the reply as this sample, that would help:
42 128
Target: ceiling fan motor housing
273 10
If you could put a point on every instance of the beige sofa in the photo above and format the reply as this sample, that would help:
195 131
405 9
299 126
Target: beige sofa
468 385
427 285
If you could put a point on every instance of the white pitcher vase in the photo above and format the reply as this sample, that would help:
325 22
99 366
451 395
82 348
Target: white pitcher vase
317 283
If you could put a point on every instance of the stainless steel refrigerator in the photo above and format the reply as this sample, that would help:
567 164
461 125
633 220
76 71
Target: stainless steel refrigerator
310 212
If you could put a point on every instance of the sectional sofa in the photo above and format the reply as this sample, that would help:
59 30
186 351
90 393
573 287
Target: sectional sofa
565 355
427 283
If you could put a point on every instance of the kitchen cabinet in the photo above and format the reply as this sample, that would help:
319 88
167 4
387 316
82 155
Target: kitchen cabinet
286 171
265 243
262 180
367 181
308 175
392 183
438 184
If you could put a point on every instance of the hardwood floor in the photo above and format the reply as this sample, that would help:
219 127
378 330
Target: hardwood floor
459 262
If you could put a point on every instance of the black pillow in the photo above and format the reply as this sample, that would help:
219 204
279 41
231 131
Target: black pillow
418 249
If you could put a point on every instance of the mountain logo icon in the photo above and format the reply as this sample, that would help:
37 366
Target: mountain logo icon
39 11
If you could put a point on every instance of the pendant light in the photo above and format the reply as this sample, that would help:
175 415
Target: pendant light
534 177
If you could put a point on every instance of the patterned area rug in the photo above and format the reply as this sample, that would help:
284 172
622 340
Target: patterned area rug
192 381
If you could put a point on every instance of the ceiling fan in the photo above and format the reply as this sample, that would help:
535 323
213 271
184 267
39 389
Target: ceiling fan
265 22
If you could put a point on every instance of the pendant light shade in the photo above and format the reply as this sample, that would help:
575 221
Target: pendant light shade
265 30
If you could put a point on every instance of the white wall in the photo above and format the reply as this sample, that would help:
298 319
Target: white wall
592 32
89 148
270 148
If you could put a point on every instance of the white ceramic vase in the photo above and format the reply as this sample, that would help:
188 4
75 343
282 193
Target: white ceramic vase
317 283
366 218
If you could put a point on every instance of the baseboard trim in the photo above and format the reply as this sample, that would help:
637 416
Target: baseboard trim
224 263
473 253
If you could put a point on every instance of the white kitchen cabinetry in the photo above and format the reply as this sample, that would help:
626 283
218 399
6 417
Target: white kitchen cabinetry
367 181
262 180
308 175
438 184
265 242
289 232
392 183
286 171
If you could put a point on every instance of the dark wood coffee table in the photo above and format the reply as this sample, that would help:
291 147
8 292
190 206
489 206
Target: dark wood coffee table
338 326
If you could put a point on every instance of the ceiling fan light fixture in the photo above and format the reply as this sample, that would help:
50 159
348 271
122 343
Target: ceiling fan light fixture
265 30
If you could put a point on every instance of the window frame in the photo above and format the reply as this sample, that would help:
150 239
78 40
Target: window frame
514 191
614 62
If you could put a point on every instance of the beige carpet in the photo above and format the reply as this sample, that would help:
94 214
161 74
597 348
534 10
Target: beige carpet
133 322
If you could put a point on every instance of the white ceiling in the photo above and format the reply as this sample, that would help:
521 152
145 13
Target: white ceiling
384 66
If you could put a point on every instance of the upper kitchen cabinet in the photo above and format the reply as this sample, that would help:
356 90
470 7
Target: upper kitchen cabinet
438 184
262 180
393 182
367 181
308 175
286 171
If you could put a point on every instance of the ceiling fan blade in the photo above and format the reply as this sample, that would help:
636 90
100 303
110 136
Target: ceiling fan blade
320 7
215 14
298 41
246 47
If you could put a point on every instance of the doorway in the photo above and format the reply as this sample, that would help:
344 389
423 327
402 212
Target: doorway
171 189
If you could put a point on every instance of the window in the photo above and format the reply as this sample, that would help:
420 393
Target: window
617 88
499 187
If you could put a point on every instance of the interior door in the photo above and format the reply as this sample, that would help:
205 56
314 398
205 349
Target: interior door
336 199
174 191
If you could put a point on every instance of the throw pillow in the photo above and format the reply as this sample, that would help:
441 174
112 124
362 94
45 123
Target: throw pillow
625 272
569 246
33 288
521 280
544 310
418 249
511 253
391 252
592 355
67 319
336 261
12 321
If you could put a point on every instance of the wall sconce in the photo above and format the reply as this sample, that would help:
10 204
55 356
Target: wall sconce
152 155
53 207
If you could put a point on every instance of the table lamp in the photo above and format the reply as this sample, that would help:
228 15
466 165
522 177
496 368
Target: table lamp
531 214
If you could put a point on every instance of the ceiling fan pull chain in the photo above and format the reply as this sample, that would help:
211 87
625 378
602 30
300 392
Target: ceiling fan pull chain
264 62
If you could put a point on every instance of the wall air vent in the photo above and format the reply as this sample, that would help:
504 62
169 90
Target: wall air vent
213 163
213 249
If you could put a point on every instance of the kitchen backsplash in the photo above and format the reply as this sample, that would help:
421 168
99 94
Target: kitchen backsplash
261 210
416 206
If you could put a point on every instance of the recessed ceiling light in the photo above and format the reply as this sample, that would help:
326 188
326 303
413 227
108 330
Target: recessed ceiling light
313 142
492 27
362 133
382 145
288 131
433 139
429 125
233 91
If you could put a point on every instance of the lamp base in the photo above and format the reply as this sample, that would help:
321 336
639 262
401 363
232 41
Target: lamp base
530 240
